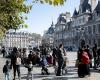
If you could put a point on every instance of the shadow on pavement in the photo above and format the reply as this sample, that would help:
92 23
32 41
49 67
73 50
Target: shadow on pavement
60 78
38 76
72 74
51 77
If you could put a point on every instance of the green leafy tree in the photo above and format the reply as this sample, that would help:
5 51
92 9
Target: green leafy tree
51 2
11 14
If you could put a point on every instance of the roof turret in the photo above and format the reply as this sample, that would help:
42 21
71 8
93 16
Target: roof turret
97 9
75 13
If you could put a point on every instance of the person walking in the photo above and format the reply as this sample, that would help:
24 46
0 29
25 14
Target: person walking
86 62
15 63
6 70
83 63
60 60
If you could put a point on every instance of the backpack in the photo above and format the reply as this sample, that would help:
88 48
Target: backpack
5 69
85 58
18 61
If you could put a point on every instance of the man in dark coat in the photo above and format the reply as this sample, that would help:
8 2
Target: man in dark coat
60 58
16 67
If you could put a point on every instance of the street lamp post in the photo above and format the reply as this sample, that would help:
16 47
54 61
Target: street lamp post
62 33
81 40
20 39
74 37
10 40
63 26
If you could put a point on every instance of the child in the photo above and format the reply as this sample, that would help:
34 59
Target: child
44 63
30 67
6 70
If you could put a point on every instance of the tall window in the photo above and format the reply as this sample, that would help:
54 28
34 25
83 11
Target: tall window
83 19
94 28
89 29
98 25
98 42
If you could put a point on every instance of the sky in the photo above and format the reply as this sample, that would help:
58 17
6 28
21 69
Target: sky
42 15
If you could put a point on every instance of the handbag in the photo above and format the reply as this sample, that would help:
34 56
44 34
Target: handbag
18 61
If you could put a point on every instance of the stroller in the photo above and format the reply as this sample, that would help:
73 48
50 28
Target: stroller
44 64
64 68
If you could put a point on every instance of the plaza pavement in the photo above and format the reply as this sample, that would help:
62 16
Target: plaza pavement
71 75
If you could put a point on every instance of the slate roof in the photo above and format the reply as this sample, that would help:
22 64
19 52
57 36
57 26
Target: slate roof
62 19
97 9
86 6
50 30
75 13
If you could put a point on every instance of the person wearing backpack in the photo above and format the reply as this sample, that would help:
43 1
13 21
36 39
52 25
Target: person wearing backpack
80 65
85 62
60 60
15 62
6 70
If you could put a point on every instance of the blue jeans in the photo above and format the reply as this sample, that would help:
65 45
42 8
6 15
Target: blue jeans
7 76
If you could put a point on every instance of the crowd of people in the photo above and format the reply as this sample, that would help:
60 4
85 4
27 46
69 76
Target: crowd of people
39 57
44 58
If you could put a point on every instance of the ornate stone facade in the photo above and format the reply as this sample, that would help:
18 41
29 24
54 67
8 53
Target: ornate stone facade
83 25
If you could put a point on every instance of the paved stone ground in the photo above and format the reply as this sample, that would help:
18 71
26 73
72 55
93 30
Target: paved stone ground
71 75
2 62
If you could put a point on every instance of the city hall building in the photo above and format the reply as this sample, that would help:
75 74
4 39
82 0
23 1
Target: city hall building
83 25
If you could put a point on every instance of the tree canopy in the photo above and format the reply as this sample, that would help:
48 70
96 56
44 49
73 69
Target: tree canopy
11 12
51 2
